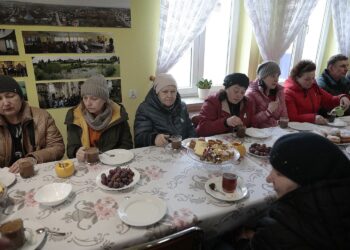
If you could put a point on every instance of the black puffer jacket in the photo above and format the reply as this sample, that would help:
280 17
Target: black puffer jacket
310 217
153 118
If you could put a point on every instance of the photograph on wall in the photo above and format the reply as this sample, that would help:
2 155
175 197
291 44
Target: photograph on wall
69 67
67 94
87 13
13 68
38 42
8 42
24 90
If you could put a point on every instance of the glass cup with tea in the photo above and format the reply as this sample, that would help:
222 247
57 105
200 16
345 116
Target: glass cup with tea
14 231
240 131
229 182
92 155
283 122
175 141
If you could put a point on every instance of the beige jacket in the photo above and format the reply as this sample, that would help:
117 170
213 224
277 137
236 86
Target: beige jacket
49 145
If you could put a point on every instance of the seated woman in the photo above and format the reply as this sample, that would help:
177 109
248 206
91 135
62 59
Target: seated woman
311 177
305 101
227 109
96 121
27 134
162 114
267 96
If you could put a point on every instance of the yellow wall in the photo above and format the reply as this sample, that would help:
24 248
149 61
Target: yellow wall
136 46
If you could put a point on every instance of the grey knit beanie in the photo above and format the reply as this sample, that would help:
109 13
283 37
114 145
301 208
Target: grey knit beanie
268 68
96 86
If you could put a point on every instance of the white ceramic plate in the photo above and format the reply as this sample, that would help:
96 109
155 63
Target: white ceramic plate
257 133
135 179
33 239
337 123
6 177
53 194
121 156
142 210
345 118
186 142
240 192
302 126
259 156
348 150
195 157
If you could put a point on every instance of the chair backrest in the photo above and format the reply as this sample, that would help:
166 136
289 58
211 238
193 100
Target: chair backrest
187 239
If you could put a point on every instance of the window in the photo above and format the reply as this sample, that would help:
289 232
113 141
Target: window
210 54
310 41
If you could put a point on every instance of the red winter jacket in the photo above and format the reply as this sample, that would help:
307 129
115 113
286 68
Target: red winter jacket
214 113
260 101
303 104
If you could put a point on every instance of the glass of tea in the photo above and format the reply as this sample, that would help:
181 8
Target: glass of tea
229 182
283 122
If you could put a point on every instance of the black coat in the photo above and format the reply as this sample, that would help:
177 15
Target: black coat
310 217
153 118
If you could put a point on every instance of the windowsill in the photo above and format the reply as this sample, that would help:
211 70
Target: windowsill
193 104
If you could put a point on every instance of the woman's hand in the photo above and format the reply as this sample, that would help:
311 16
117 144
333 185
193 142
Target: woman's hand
15 166
161 140
80 154
319 119
344 102
234 121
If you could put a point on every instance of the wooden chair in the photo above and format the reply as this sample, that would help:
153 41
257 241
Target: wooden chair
187 239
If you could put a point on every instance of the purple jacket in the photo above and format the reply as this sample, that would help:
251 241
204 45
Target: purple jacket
260 101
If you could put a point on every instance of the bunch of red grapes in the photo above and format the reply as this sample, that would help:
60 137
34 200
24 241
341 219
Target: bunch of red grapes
259 149
117 178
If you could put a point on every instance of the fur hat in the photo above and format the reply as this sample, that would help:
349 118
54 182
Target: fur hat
163 80
96 86
236 79
8 84
268 68
307 158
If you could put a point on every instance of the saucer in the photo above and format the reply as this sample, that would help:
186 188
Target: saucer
240 192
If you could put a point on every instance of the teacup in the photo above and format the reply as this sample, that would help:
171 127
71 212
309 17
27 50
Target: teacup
14 231
175 141
283 122
92 155
229 182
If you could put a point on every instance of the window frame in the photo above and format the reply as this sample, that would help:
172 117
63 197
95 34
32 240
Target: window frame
197 50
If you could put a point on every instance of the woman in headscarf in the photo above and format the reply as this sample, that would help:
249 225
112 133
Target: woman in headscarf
162 114
311 177
97 121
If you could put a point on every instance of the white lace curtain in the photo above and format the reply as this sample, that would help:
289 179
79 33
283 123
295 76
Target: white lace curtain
341 22
181 21
276 23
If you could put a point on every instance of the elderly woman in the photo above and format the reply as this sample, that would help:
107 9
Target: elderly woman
305 100
267 96
227 109
162 114
27 134
96 121
311 177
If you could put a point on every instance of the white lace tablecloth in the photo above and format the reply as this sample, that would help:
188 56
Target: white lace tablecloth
90 218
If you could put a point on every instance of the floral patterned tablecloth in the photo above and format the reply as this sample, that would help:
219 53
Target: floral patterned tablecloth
89 216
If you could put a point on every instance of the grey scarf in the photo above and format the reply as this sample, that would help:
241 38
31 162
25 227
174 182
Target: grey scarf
101 121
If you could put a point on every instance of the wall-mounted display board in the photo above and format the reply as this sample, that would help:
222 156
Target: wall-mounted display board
8 42
69 67
67 94
43 42
13 68
87 13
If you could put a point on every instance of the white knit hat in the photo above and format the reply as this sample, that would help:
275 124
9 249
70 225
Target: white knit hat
163 80
96 86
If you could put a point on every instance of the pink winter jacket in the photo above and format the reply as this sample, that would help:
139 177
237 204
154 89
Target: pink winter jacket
260 101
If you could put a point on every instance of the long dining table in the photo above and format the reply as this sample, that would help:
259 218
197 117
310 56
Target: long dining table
89 216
